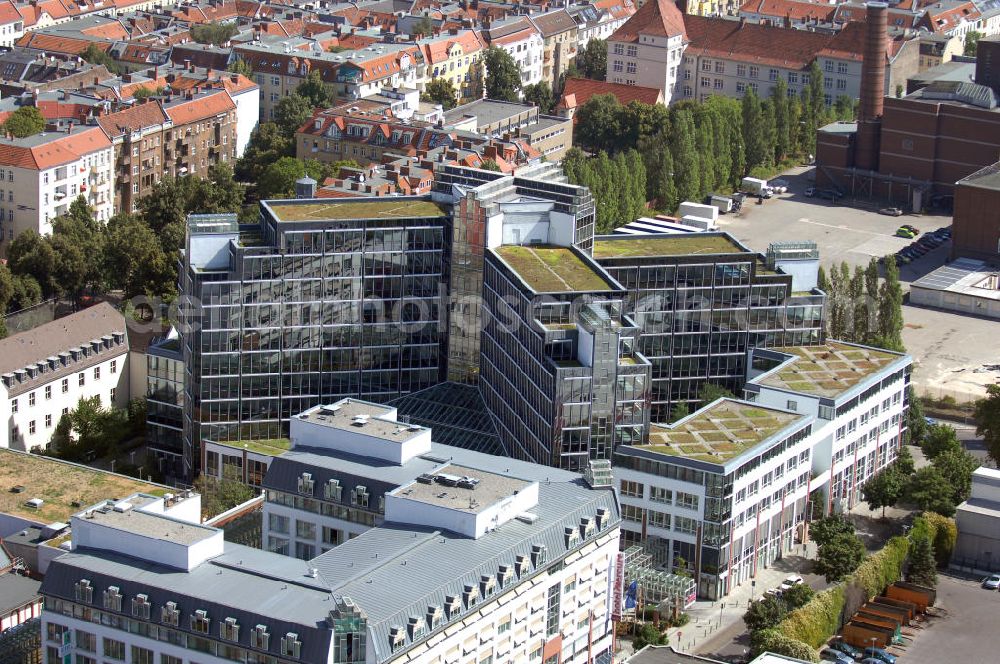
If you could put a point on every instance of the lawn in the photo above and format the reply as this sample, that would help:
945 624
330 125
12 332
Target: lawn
552 269
673 245
388 208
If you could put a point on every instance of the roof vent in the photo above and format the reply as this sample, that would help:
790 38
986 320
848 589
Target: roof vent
34 503
359 420
123 506
527 517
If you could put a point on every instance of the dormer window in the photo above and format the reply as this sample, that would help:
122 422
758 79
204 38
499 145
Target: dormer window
539 555
332 490
586 527
452 606
397 638
290 645
170 614
504 575
306 484
113 599
83 591
487 585
229 629
415 628
571 536
470 596
259 638
360 496
521 565
435 614
200 621
141 607
602 518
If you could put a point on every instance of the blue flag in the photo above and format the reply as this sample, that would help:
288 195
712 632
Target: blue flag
630 595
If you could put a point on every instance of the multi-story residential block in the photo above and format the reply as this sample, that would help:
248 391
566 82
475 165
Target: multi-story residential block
523 42
453 57
41 175
600 19
559 32
701 301
180 135
559 370
551 136
360 319
731 488
11 24
48 369
515 565
648 49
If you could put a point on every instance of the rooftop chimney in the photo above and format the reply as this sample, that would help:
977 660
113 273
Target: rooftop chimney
872 86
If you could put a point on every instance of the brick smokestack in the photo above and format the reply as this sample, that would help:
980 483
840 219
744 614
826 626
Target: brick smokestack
872 86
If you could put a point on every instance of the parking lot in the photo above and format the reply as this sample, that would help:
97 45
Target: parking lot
966 630
949 349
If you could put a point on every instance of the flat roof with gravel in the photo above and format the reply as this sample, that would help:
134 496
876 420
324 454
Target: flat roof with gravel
549 269
679 244
720 432
386 208
827 370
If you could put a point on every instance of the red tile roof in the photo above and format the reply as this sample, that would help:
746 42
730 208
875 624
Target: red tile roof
200 108
135 118
753 43
656 18
795 10
437 50
62 150
9 13
579 90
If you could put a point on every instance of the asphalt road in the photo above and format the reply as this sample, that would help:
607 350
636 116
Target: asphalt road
965 632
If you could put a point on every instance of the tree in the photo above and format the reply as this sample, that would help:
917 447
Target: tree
278 179
490 165
940 438
922 564
987 416
539 94
765 614
6 288
268 143
474 90
839 556
916 425
221 494
797 596
754 131
679 411
783 129
648 635
31 254
883 490
95 56
240 66
904 463
592 60
971 43
319 94
772 640
503 76
957 467
929 490
134 259
440 91
890 308
146 92
26 293
683 149
291 113
25 121
829 527
709 392
214 33
598 125
423 28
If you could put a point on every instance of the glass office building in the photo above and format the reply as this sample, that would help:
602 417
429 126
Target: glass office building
165 405
701 301
322 299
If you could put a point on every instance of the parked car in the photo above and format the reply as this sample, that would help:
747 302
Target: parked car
846 648
831 655
809 192
907 231
903 259
871 660
891 212
930 421
992 582
790 581
880 655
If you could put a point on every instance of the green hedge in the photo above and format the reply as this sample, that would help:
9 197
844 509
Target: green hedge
814 624
770 640
942 532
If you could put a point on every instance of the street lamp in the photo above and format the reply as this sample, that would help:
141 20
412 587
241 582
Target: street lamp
873 639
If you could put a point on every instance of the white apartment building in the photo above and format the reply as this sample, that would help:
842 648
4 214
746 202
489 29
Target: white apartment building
731 487
41 176
45 372
599 20
648 49
517 568
522 40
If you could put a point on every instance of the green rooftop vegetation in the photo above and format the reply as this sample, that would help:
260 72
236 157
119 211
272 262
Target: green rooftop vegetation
719 433
386 208
552 269
828 370
268 446
667 245
65 488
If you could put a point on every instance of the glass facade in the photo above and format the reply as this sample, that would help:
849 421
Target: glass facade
317 303
700 314
560 374
165 405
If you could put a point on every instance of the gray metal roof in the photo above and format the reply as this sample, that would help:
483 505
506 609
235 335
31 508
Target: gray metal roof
16 591
960 276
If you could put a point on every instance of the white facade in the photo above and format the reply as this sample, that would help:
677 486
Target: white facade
528 51
32 415
247 116
653 62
